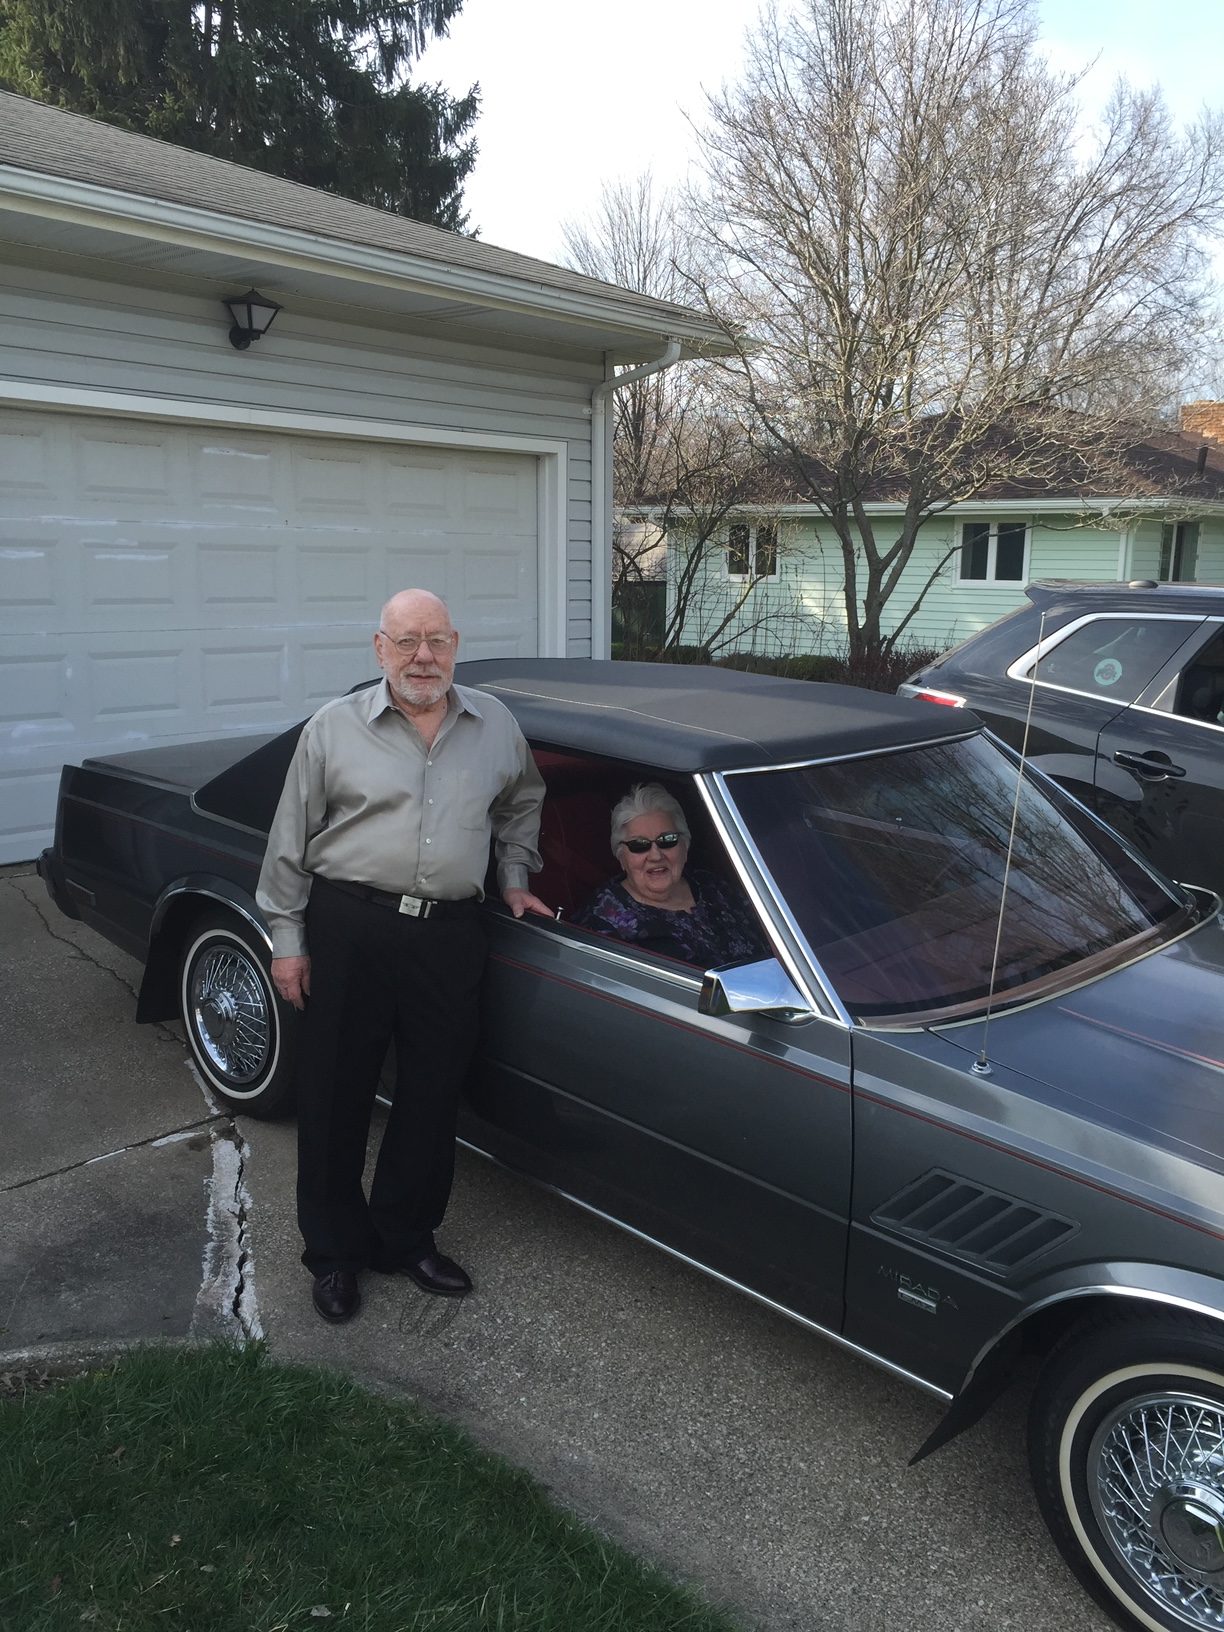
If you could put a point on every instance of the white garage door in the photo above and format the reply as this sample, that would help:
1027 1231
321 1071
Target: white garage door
160 583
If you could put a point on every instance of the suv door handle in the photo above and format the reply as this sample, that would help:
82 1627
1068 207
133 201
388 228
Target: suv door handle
1155 767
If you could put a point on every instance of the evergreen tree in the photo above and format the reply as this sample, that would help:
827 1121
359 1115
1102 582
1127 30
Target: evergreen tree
313 90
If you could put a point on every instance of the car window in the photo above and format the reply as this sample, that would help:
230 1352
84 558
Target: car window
1110 657
581 876
1199 693
893 867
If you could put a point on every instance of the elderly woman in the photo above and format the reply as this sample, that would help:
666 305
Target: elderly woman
656 903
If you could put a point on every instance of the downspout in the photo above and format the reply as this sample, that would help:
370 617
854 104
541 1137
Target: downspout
601 494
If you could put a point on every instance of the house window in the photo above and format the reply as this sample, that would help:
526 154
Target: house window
993 552
1179 552
752 552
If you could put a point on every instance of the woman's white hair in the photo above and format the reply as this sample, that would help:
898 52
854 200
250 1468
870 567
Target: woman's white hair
643 799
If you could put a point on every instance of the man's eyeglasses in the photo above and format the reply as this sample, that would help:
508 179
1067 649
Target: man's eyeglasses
665 841
439 645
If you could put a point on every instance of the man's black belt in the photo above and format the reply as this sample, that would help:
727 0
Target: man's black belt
412 906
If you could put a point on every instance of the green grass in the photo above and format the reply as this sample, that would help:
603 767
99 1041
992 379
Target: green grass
187 1490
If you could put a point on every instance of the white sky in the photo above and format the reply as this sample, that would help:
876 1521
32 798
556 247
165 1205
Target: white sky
576 93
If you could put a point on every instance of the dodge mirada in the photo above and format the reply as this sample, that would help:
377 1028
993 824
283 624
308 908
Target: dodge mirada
968 1107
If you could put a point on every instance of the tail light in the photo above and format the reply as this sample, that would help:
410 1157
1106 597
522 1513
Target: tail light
949 699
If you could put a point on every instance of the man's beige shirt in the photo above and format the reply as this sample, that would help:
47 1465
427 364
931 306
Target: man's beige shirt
366 801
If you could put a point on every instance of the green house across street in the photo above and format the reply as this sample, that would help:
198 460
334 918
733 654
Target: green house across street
772 580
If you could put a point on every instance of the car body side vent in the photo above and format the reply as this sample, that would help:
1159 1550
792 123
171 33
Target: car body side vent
986 1227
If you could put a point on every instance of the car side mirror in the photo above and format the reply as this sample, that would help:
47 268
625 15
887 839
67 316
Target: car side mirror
752 988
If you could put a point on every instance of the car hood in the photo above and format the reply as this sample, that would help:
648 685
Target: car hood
1140 1050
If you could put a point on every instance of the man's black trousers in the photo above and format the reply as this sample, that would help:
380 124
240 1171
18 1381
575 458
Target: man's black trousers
378 975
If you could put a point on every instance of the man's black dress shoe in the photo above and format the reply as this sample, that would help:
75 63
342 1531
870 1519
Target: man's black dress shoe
433 1271
337 1296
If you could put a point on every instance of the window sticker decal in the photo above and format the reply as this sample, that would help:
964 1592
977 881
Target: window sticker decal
1107 672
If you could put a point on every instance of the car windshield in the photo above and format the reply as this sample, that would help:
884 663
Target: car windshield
893 867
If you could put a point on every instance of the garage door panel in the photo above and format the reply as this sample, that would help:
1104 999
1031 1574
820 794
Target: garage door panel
417 486
129 469
123 686
491 576
25 798
242 680
125 582
335 481
33 580
34 692
241 581
27 456
423 568
329 668
336 577
242 474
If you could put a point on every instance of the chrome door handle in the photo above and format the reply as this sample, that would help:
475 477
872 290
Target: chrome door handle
1155 767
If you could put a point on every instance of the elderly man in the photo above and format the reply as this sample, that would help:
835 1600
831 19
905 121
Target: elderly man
371 883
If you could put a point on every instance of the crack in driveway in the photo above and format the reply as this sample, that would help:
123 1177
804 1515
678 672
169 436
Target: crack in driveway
82 955
225 1304
184 1132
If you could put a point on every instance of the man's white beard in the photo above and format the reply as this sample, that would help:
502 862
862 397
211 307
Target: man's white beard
420 691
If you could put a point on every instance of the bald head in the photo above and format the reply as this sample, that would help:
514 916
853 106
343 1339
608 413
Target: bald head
415 609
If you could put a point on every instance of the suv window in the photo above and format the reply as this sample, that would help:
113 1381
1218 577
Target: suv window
1200 686
1112 657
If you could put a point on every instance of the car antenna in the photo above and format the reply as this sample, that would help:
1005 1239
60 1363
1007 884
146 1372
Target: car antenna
981 1066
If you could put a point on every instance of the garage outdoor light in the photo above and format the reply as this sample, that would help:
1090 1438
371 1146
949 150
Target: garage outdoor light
252 314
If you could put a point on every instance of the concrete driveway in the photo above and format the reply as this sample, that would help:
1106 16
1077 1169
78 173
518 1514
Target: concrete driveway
739 1451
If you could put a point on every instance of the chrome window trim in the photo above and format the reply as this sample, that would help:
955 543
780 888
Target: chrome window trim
1043 648
720 802
841 759
1161 713
869 1355
1002 1008
822 999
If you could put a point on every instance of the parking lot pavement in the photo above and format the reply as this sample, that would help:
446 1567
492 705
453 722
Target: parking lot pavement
738 1449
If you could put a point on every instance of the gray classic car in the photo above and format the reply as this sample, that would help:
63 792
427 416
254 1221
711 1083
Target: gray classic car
969 1107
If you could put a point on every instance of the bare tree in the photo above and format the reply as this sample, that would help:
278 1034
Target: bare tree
944 281
633 240
684 459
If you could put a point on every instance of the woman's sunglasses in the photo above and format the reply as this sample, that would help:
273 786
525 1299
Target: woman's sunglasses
665 841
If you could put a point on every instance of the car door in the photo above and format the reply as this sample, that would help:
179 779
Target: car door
1068 689
1160 764
726 1139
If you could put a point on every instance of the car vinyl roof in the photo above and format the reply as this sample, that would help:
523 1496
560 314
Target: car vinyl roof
689 718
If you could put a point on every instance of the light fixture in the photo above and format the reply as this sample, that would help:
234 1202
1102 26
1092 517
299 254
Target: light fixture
252 314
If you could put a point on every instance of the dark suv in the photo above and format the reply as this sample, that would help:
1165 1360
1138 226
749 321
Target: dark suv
1126 685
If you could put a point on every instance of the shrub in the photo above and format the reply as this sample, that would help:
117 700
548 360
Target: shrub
883 672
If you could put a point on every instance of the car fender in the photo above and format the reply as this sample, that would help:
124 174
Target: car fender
158 996
1057 1303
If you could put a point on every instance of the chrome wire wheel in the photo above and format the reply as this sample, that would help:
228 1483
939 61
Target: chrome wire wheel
1157 1470
241 1034
230 1006
1126 1447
